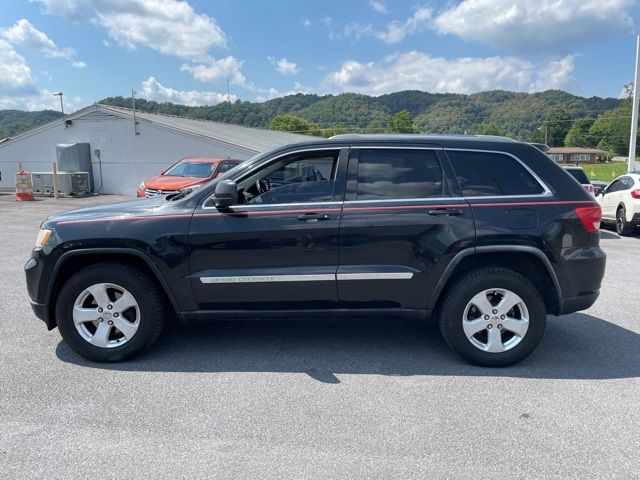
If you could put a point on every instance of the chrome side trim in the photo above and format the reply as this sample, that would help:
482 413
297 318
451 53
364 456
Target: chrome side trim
321 277
271 205
375 276
407 200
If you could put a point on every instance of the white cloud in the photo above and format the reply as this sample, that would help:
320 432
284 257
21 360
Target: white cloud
169 26
378 6
306 22
154 90
543 25
78 64
24 34
419 71
269 93
284 66
16 77
396 30
213 70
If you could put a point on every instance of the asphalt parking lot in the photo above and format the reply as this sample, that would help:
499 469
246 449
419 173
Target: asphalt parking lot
307 398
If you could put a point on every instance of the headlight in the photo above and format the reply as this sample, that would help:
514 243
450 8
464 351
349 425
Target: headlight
141 186
43 237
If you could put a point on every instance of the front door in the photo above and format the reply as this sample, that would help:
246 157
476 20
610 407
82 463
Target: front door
402 215
611 199
278 248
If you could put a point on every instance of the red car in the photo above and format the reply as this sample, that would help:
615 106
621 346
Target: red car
188 172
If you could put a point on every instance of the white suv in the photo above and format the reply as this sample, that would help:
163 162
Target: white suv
620 203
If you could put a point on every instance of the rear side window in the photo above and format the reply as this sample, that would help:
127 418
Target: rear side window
483 174
387 174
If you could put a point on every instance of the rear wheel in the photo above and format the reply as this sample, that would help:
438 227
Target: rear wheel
109 312
492 317
622 226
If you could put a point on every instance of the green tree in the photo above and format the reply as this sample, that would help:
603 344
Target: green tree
336 129
401 122
488 129
294 124
579 136
375 127
557 123
611 129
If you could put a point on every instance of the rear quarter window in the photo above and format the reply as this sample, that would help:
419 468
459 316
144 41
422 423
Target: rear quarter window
484 174
578 174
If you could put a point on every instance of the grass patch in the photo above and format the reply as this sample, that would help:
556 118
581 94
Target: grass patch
605 172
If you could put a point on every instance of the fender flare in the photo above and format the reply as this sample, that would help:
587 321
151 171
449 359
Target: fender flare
117 250
435 295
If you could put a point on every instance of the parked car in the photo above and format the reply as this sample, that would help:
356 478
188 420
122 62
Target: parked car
487 236
620 202
189 172
598 186
581 177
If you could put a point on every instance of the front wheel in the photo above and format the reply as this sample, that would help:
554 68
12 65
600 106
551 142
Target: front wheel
109 312
492 317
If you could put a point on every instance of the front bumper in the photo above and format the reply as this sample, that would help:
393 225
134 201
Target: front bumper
41 311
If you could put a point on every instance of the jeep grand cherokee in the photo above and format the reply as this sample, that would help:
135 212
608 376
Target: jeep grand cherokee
485 234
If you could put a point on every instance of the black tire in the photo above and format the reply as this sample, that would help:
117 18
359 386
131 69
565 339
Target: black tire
623 227
460 293
144 289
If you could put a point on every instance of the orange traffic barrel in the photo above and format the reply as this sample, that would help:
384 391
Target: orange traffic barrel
24 188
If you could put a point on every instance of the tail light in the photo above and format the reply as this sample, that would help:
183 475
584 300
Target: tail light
635 193
590 217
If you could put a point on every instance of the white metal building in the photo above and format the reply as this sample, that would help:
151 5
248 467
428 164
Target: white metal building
126 153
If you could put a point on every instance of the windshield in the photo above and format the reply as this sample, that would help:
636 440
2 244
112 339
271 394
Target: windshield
191 169
579 175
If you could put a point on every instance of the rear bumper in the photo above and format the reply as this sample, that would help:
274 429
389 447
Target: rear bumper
581 302
580 274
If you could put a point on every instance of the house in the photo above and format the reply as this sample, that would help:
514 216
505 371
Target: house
576 155
124 153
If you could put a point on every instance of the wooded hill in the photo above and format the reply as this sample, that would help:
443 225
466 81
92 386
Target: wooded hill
521 116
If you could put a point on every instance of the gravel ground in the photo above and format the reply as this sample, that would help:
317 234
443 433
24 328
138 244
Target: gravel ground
304 398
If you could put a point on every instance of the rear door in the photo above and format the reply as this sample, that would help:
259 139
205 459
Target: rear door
402 219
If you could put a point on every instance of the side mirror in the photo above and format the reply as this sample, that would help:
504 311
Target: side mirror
226 194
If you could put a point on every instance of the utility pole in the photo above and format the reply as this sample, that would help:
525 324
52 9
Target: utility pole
634 114
133 104
59 94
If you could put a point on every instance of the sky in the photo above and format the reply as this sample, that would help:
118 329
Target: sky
187 51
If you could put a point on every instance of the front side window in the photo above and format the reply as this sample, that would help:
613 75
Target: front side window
299 178
482 174
388 174
615 186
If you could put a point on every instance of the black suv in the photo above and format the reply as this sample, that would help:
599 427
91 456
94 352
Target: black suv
486 234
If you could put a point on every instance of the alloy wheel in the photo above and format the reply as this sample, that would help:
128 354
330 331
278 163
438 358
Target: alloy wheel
106 315
495 320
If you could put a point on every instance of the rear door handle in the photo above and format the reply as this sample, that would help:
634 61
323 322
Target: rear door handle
445 211
314 217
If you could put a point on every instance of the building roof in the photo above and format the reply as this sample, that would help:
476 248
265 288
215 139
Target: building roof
575 150
249 139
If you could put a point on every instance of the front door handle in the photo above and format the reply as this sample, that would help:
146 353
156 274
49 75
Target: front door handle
314 217
445 211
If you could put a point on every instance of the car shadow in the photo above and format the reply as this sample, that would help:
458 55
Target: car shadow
608 235
577 346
